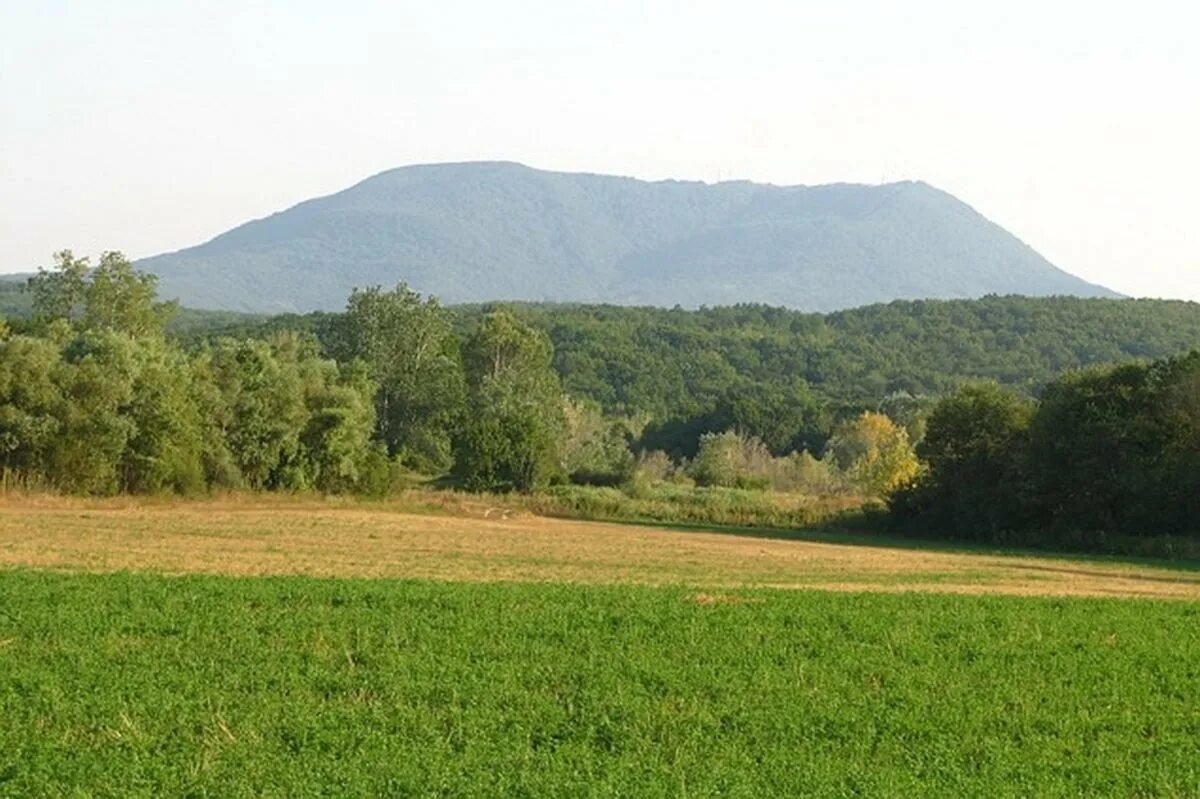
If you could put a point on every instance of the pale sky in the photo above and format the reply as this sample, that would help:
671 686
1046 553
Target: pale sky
151 125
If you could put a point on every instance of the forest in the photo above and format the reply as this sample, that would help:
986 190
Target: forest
1044 421
713 368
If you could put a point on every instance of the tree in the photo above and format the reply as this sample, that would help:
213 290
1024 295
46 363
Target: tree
411 352
335 445
908 411
1178 411
31 404
96 376
120 298
164 449
59 293
511 436
595 448
734 459
113 295
975 451
875 454
784 418
1115 450
259 408
212 391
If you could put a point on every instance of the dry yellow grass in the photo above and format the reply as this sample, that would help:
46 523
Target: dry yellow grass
274 535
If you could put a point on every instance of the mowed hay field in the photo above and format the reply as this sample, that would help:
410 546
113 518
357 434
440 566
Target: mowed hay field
474 542
535 657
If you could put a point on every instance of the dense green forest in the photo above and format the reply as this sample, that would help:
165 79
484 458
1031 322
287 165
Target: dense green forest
95 398
1104 452
788 377
883 402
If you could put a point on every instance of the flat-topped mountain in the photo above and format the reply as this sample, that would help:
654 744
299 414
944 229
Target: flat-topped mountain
502 231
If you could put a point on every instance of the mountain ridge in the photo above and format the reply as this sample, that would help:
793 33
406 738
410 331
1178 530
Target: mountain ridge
499 230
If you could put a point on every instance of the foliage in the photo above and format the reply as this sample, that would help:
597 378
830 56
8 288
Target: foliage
59 293
113 295
262 409
974 450
1116 450
595 449
789 378
289 418
685 503
875 454
336 443
96 372
163 452
31 401
120 298
94 399
411 352
512 435
729 459
1104 453
910 412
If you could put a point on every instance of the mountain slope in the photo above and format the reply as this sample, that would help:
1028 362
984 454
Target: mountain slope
487 231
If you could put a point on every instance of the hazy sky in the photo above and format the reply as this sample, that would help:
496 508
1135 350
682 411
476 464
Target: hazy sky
150 126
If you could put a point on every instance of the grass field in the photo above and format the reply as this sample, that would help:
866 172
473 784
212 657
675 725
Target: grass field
215 686
539 657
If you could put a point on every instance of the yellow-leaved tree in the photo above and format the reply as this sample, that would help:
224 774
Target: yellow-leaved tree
875 453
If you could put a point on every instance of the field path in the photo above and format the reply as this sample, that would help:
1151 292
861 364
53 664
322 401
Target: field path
279 536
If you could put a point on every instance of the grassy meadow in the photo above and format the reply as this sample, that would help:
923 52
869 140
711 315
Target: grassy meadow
128 684
289 647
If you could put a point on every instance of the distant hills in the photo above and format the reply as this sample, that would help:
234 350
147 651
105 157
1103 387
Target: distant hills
502 231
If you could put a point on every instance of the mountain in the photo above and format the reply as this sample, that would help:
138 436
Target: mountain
502 231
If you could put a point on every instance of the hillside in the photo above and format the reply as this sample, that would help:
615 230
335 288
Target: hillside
658 361
476 232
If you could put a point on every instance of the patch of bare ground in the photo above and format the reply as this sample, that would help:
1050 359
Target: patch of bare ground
473 541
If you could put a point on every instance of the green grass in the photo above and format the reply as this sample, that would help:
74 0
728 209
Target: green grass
207 686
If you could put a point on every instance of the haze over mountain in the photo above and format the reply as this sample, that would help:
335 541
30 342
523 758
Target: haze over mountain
502 231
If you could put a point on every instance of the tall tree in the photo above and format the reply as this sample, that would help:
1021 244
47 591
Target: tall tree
31 404
97 374
165 444
58 293
512 433
119 297
113 295
975 450
411 352
335 448
261 408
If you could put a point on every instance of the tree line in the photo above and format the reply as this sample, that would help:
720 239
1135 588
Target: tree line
96 397
1103 456
790 378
